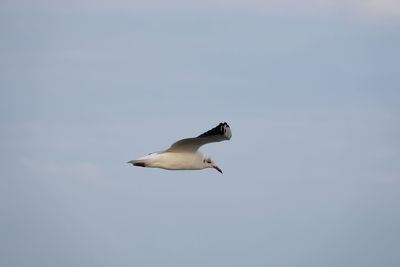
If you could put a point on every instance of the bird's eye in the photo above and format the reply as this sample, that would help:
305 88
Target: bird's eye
209 161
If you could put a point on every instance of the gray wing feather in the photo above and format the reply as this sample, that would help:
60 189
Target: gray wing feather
219 133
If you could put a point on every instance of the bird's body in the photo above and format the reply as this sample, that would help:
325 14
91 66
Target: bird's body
184 154
173 160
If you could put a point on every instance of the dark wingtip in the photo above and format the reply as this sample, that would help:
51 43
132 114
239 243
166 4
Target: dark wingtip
220 129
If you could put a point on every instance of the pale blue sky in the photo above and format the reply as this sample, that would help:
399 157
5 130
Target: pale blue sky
310 89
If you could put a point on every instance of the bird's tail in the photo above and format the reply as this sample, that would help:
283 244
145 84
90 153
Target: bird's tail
139 163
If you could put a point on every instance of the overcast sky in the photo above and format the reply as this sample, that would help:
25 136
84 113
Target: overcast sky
310 90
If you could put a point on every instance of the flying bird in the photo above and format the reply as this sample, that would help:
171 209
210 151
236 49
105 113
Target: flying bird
184 154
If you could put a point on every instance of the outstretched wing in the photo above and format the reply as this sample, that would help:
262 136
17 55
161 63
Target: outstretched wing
219 133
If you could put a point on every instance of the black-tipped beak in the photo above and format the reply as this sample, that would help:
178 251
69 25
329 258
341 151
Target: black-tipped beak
217 168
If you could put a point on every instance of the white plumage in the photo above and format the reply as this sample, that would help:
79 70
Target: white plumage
184 154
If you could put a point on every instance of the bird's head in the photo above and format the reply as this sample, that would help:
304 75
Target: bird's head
209 163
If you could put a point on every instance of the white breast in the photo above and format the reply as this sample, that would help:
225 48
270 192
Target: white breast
176 161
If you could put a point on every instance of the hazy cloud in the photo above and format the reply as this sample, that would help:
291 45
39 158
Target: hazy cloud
83 170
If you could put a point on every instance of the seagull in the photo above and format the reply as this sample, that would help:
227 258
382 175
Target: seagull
184 154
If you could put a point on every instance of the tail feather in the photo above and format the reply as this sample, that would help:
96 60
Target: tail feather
137 163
